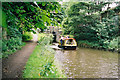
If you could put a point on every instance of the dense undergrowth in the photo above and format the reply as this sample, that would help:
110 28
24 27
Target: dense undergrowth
12 41
91 26
27 36
41 63
11 35
112 46
11 46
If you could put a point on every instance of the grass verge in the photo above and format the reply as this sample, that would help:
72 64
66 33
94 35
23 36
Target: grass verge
41 63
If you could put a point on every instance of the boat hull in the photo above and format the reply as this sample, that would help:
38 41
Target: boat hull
68 47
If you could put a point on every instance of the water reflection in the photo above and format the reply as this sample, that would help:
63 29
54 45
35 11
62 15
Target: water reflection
88 63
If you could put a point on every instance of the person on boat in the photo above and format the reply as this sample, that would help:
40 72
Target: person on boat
61 39
68 36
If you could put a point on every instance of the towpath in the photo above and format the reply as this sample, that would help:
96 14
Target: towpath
13 66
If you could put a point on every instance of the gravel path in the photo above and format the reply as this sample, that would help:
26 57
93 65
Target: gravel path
13 65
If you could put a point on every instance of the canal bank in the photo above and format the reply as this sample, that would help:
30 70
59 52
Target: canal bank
41 63
112 47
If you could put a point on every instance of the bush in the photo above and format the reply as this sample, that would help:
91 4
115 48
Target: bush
88 44
27 36
45 40
11 45
113 44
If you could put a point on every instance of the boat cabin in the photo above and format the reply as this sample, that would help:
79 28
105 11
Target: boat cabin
68 43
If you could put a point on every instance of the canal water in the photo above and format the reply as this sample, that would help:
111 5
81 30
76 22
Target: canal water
88 63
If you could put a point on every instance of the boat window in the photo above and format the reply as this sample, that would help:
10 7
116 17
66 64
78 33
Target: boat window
70 41
74 42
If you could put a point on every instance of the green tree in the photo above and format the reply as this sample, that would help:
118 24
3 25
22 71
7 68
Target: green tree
24 17
30 15
85 21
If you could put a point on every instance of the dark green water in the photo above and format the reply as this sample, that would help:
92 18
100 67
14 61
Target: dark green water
88 63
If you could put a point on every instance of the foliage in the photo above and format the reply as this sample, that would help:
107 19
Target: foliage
107 30
85 20
27 36
45 39
4 23
41 62
71 36
113 44
19 17
27 14
11 45
88 44
12 41
12 31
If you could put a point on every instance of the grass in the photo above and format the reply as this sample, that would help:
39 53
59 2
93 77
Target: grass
41 63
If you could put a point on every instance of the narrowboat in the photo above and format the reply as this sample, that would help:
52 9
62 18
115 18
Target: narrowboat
68 43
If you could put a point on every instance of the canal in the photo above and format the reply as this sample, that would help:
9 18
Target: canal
88 63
